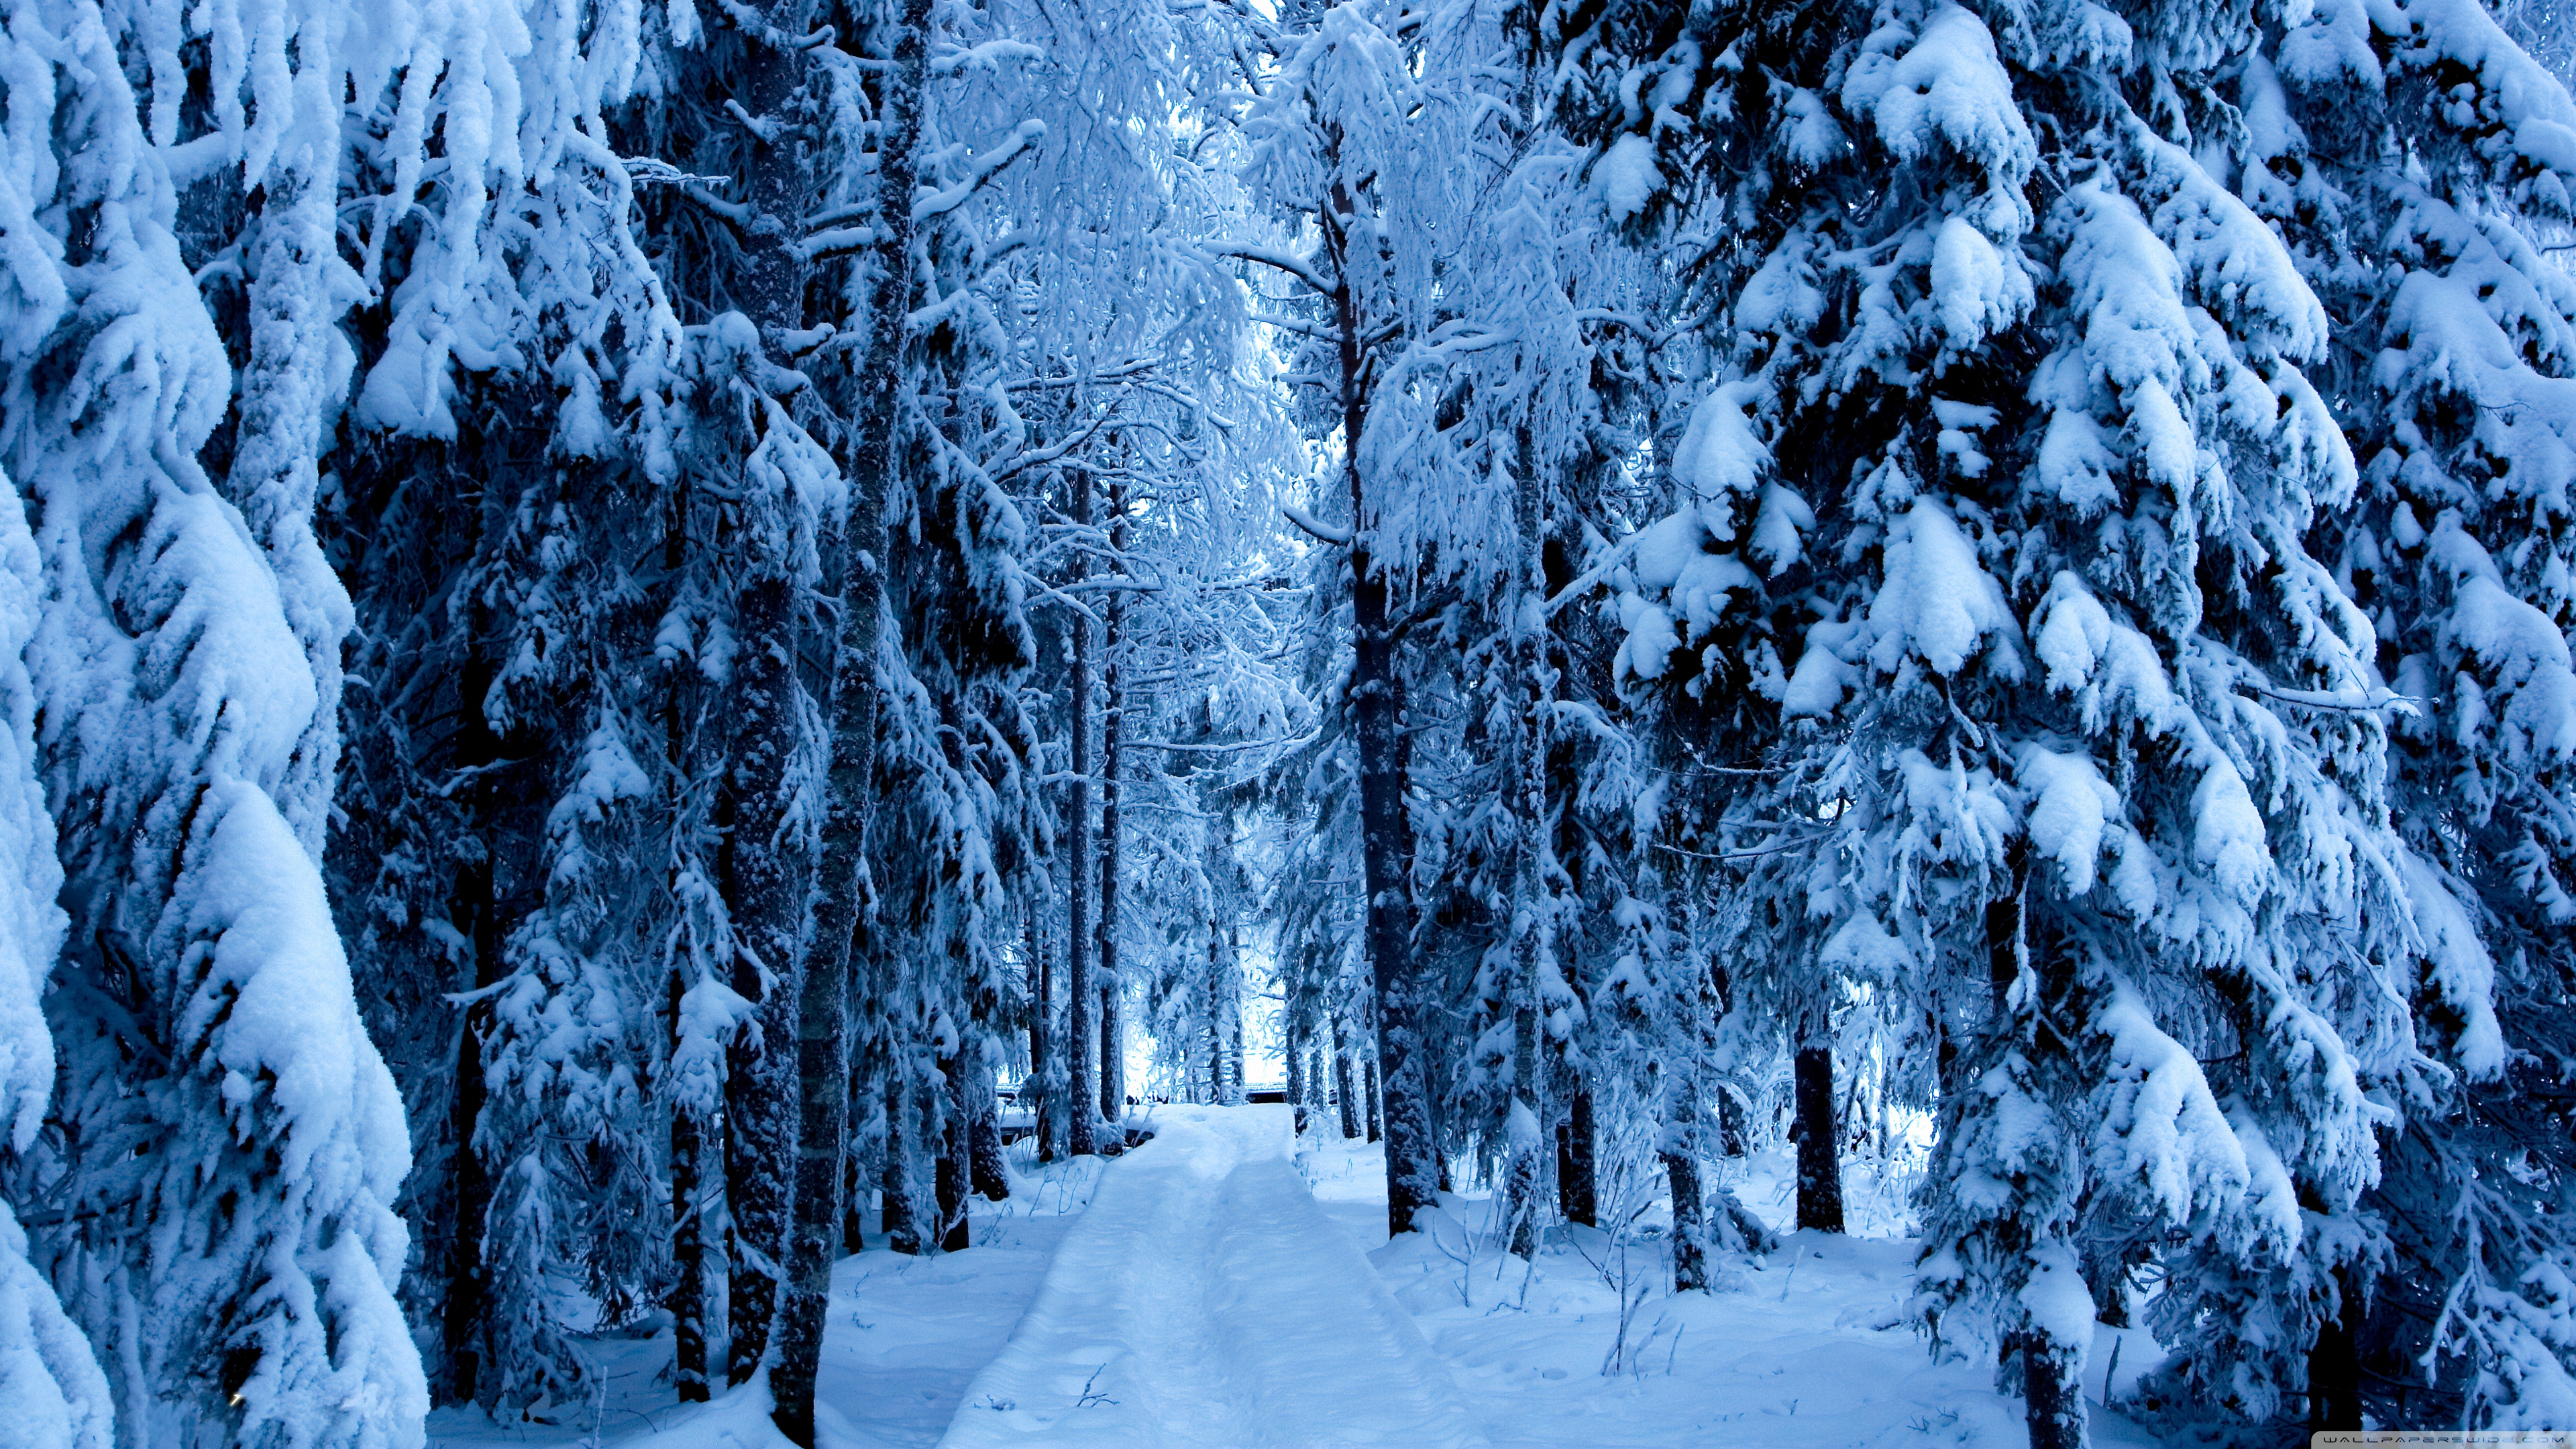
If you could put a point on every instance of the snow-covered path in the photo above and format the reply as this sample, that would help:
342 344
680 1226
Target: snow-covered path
1206 1300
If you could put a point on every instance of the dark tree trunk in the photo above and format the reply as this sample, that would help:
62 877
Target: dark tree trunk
2334 1366
1350 1107
1234 1021
856 1197
1577 1193
1376 1119
894 1173
1080 989
1297 1074
1113 1063
1036 1094
1217 1001
787 1102
472 1201
1690 1223
2053 1392
1820 1178
476 915
688 1301
1386 844
992 1183
765 891
1113 715
955 1154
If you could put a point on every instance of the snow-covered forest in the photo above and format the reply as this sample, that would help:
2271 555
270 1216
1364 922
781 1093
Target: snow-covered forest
648 644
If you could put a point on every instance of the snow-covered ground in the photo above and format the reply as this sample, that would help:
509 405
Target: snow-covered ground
1222 1286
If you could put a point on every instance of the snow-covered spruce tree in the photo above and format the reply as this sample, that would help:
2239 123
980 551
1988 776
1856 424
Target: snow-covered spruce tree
1341 151
2035 376
59 1397
252 1139
2419 163
527 814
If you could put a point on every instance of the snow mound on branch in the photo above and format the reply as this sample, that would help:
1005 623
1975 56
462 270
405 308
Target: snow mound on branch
1938 603
2458 965
1976 290
2073 807
2161 1126
1949 85
1626 177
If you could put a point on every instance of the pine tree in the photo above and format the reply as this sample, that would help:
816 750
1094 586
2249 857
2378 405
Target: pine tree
2414 160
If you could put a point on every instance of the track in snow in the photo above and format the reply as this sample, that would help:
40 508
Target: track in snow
1204 1301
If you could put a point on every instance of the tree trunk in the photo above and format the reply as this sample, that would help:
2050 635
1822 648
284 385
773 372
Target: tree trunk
1079 986
765 892
992 1183
1217 1000
688 1301
1820 1178
894 1173
1376 1118
955 1153
1577 1149
2334 1365
1037 1094
1376 699
1350 1107
1113 710
472 1202
2053 1392
1690 1223
1297 1074
1234 1018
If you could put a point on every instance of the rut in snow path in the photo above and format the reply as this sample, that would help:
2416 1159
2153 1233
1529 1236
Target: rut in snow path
1204 1300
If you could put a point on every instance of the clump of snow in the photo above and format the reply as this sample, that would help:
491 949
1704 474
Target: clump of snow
1951 85
2161 1127
1976 290
1938 603
1626 177
2070 806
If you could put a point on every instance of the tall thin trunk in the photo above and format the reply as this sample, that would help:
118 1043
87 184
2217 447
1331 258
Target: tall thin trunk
476 913
1376 1118
1350 1107
1113 1064
1297 1073
894 1172
1577 1194
1041 1105
1820 1178
2334 1365
688 1301
984 1153
765 893
844 902
1690 1220
955 1153
1526 799
1113 713
1079 986
688 1298
1386 837
1234 1018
